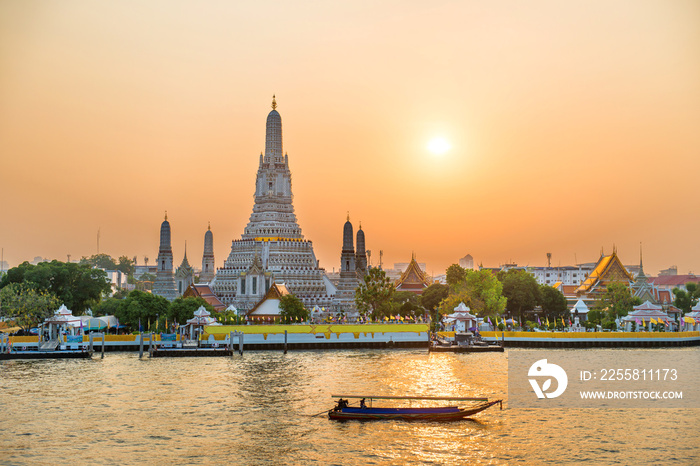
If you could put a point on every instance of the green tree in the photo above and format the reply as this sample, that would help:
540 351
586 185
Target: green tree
406 303
182 309
107 307
480 290
102 261
126 265
26 305
686 299
374 294
455 275
143 308
596 317
432 296
77 286
521 290
292 309
553 302
617 301
145 282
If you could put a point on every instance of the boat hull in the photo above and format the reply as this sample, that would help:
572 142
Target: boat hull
410 414
466 349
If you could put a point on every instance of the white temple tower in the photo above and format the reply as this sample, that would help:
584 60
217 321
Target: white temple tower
345 296
361 255
272 248
208 264
165 280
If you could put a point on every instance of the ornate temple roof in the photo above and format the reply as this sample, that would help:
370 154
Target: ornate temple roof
269 304
608 269
202 290
413 279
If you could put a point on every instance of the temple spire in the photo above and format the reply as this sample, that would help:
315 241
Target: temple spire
274 102
166 215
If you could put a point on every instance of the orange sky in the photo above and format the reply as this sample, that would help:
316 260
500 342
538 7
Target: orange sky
574 126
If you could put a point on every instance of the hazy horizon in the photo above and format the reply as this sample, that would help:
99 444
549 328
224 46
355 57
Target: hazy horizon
572 126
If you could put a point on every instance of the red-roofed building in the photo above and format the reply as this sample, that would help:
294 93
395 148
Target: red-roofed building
202 290
669 282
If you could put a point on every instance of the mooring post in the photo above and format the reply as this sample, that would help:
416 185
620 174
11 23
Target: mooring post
285 342
103 346
150 345
140 345
90 339
240 342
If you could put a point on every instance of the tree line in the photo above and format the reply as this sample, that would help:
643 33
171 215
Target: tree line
506 294
31 293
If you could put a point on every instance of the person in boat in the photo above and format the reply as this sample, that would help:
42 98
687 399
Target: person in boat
341 404
362 404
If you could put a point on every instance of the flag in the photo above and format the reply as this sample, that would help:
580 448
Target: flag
149 324
652 320
562 322
547 321
166 324
139 324
497 320
489 318
538 321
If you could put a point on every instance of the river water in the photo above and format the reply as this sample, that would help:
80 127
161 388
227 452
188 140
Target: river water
258 409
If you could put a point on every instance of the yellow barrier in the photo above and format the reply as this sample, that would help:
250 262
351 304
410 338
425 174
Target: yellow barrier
314 329
590 334
121 337
27 339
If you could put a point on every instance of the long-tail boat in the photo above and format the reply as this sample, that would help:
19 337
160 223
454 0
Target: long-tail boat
343 412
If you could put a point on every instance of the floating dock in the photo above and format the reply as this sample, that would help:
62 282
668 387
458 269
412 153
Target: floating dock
466 349
45 355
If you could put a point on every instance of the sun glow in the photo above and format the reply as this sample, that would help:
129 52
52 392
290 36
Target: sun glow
438 146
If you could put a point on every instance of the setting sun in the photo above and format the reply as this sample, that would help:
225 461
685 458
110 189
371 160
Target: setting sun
438 146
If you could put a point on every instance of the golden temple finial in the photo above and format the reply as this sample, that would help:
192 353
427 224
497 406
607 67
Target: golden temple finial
166 215
348 215
360 224
274 102
209 226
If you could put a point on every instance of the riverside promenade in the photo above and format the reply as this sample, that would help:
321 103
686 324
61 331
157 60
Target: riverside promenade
344 336
265 337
